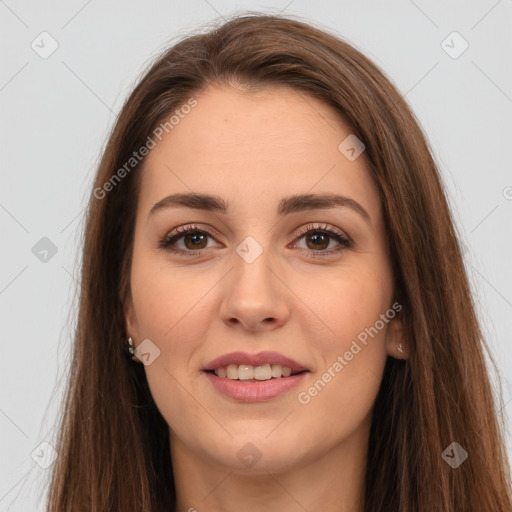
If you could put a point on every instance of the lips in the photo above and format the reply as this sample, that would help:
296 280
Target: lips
244 377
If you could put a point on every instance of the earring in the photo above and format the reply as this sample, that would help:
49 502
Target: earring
129 347
399 347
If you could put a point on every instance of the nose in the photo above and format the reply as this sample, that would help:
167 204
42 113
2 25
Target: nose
255 296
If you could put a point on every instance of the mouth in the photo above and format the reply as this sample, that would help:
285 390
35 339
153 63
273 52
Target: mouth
254 377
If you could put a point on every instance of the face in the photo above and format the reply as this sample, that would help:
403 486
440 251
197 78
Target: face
267 277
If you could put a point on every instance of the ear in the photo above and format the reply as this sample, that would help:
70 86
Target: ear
397 345
130 320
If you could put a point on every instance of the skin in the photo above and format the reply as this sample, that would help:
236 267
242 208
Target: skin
252 149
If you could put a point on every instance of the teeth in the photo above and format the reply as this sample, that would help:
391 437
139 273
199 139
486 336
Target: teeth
249 372
245 372
277 370
232 371
263 372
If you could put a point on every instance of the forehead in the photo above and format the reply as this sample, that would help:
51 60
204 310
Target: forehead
256 145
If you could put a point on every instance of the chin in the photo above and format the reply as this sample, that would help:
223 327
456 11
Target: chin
258 452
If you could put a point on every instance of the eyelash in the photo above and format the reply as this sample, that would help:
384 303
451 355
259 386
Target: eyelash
344 241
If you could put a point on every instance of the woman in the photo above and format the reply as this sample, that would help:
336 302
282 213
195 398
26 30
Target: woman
274 312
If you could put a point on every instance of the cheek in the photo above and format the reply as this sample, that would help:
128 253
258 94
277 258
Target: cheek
347 302
351 357
166 300
172 311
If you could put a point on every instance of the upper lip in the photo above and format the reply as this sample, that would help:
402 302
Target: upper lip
259 359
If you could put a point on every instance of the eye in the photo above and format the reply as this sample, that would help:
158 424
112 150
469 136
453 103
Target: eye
193 240
319 238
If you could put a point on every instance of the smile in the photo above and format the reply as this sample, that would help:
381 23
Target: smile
254 377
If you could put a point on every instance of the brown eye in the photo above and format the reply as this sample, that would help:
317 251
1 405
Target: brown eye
196 240
317 241
189 241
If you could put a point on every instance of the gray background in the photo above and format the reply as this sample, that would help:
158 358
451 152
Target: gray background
57 112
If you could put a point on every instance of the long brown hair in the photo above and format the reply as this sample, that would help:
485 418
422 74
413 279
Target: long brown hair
113 443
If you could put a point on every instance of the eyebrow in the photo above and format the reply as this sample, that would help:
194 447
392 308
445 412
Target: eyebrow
287 205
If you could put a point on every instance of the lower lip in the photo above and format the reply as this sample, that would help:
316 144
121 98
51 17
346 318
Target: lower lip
244 391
